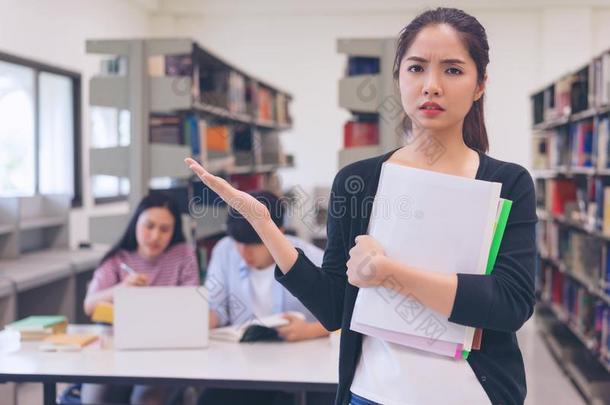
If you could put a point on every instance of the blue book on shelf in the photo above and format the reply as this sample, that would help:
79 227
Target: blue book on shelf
588 146
195 138
191 133
359 65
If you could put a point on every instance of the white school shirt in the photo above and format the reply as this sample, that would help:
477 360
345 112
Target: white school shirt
393 374
261 283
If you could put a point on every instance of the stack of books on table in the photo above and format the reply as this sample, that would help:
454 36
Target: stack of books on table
39 327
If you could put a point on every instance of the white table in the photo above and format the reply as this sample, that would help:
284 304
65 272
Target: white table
298 367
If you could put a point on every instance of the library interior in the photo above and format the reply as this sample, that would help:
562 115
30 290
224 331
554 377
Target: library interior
277 202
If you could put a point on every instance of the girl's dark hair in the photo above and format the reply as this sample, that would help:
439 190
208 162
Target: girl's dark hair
474 38
128 240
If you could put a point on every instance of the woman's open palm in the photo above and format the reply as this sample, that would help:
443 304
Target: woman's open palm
248 206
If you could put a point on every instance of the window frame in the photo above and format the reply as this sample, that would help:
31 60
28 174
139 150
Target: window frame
75 77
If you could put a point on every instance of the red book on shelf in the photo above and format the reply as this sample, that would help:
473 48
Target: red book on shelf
557 291
562 192
247 182
360 134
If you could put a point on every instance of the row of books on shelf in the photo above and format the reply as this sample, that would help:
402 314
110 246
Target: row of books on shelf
585 314
247 145
214 85
231 90
580 144
225 88
584 200
587 88
582 255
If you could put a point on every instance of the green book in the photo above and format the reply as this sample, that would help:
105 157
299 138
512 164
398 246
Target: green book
498 235
36 323
500 226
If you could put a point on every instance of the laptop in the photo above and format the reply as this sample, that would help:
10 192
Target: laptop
161 318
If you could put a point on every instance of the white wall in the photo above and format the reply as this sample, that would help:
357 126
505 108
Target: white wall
55 32
294 48
293 45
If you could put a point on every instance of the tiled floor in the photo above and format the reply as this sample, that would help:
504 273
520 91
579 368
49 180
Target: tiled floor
545 381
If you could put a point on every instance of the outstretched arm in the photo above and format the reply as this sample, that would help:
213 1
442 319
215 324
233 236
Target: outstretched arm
282 250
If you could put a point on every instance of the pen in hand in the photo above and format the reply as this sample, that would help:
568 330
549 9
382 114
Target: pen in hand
126 268
133 278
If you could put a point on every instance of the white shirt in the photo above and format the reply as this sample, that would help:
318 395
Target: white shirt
261 282
231 289
392 374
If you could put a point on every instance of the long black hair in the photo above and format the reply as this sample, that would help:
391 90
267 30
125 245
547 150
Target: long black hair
474 38
129 242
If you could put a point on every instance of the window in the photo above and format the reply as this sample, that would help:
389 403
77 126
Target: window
17 130
39 129
110 127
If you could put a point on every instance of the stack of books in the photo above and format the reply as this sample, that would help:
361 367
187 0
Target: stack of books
67 342
39 327
416 214
166 128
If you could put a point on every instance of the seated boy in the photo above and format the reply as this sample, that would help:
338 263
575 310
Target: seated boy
242 286
241 282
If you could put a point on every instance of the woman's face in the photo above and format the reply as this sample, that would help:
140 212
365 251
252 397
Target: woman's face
438 79
154 231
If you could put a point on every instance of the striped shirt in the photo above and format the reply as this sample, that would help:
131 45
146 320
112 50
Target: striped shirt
177 266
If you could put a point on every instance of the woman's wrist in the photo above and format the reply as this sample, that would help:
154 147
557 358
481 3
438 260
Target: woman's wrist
393 274
383 268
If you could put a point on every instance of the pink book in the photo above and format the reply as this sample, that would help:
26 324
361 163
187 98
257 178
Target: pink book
443 348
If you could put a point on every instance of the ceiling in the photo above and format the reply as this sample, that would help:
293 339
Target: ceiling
325 7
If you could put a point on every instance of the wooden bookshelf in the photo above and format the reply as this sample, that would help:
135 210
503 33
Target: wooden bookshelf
177 77
571 171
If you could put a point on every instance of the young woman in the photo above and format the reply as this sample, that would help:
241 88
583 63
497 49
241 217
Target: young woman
440 67
154 248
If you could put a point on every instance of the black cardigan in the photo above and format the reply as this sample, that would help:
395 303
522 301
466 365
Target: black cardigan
499 303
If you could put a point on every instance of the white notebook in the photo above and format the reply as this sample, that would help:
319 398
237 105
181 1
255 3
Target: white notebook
435 222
